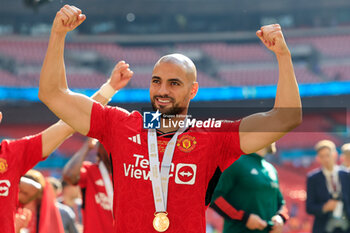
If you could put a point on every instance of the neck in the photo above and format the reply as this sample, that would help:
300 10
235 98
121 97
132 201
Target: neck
329 168
69 201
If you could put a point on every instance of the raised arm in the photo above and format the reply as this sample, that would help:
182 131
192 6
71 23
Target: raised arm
261 129
72 108
55 135
71 171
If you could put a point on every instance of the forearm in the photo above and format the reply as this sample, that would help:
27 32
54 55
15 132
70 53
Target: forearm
53 74
54 136
287 95
71 171
314 208
228 211
287 102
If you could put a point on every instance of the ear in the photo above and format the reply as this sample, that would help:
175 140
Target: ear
0 116
194 90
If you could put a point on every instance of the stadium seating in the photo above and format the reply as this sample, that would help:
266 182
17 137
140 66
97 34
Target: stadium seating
338 72
235 64
132 55
8 79
238 52
265 75
336 46
24 51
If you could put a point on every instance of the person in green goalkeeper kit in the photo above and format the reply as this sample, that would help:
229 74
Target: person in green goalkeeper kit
248 195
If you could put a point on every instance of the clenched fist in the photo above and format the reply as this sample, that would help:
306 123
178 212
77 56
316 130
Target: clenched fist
67 19
272 38
120 76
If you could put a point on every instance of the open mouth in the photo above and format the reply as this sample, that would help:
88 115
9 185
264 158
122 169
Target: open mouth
4 187
163 101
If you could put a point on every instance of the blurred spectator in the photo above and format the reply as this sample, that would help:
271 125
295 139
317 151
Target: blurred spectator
248 195
328 192
67 214
95 182
345 156
71 197
37 195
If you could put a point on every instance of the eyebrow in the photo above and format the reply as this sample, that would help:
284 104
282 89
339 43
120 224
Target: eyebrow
176 80
169 80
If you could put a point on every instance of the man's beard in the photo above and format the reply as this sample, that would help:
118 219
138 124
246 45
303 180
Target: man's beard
172 112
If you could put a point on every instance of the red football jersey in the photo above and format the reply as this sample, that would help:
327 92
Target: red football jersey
16 158
197 155
97 213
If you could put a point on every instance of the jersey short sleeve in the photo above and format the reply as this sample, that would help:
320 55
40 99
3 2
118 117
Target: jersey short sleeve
228 137
27 151
105 120
84 174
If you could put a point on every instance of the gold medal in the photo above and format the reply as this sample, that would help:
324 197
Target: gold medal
161 221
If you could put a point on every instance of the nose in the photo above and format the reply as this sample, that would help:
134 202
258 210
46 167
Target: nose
163 90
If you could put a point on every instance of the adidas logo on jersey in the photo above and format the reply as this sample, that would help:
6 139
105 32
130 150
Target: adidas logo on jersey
136 139
254 172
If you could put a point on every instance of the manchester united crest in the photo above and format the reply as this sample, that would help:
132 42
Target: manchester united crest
186 143
3 165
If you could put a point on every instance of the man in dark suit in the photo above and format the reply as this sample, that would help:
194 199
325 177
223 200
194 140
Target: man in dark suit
328 192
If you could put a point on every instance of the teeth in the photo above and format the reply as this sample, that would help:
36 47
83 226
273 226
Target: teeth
163 101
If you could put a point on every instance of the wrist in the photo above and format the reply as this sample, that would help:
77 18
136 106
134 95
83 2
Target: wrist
107 91
285 54
283 218
245 218
279 218
59 34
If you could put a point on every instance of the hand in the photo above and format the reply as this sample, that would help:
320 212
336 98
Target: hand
67 19
330 205
120 76
277 224
22 219
272 37
255 223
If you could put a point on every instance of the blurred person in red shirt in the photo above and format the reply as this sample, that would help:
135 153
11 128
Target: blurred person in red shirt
37 195
18 156
96 187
